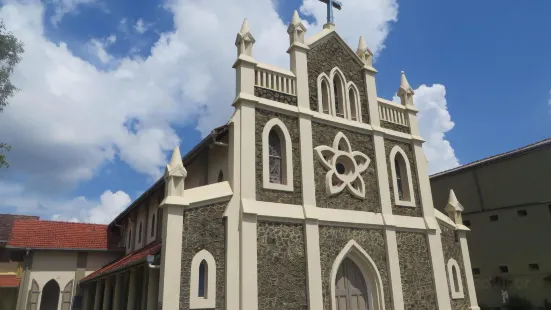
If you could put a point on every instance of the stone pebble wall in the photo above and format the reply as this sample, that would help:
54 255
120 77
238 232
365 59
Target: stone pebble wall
204 229
395 127
416 271
334 239
262 194
329 53
452 249
408 149
282 270
275 96
324 135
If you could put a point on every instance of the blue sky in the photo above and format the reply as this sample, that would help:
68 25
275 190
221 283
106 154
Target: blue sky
108 88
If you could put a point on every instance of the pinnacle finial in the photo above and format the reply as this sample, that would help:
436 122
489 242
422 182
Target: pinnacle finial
404 81
176 158
452 201
296 19
362 46
405 91
245 27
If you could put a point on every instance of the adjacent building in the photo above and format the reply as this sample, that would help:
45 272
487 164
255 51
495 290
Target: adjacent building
507 201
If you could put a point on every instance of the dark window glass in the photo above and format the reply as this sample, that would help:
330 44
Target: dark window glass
534 267
493 218
275 159
522 213
399 179
140 233
203 273
153 226
220 176
503 269
476 270
467 223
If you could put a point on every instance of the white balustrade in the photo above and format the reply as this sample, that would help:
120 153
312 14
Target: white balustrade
276 79
392 113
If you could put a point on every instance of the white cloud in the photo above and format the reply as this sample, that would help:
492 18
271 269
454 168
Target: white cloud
141 27
70 117
99 48
434 122
63 7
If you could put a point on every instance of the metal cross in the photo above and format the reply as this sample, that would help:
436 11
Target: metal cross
330 5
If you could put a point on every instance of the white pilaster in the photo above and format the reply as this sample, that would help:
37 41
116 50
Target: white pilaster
298 52
99 293
423 179
394 268
315 292
468 270
131 303
248 154
439 270
117 299
152 289
382 175
171 256
107 291
371 93
249 262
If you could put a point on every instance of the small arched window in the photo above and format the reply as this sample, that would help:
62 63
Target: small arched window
325 97
153 225
140 233
401 178
454 278
338 95
202 291
353 112
220 176
129 238
277 156
275 162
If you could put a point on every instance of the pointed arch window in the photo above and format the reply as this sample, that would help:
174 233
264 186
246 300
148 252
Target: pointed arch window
129 238
324 94
153 225
338 95
140 233
454 278
354 102
402 182
220 176
277 156
203 281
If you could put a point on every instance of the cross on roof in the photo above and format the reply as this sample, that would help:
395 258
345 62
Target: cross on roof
330 5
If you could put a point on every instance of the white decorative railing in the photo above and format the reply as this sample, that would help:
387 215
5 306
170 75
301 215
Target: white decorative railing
392 112
276 79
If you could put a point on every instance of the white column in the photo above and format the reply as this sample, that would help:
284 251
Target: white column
249 277
299 66
99 292
118 292
393 265
468 270
371 93
107 291
152 289
439 269
423 179
171 255
248 155
382 175
131 304
315 292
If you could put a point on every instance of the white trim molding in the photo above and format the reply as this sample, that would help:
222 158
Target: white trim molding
369 271
456 292
287 156
321 78
397 201
344 167
209 300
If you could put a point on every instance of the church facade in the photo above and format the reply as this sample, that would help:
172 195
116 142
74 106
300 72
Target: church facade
315 195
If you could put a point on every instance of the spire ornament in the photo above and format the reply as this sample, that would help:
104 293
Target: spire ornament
405 92
454 209
364 52
296 30
245 40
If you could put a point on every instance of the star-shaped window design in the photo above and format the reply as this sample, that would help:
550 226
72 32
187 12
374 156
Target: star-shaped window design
344 167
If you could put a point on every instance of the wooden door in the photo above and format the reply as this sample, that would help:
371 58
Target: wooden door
350 287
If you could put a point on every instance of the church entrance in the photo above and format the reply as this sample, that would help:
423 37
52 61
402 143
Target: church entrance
50 296
350 287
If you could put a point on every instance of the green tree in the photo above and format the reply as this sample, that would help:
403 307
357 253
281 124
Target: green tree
10 54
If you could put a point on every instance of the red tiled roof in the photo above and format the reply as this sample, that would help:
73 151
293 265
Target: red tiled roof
6 221
9 281
126 261
38 234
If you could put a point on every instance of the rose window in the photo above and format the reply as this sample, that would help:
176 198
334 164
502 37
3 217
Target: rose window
344 166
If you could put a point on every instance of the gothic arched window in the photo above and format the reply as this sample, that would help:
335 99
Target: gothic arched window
277 156
325 97
153 226
401 178
203 281
220 176
275 163
454 278
354 102
338 95
140 233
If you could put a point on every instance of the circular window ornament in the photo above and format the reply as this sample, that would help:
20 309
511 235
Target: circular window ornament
344 166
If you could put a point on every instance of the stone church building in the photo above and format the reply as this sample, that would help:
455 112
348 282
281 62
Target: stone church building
315 195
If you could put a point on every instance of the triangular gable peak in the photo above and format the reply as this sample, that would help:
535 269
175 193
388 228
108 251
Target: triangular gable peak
325 35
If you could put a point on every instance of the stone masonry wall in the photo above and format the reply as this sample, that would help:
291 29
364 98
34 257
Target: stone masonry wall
416 271
275 96
452 249
204 229
327 54
324 135
399 210
262 194
282 275
334 239
395 127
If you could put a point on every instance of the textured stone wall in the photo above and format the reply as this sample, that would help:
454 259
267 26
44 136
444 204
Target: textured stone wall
327 54
395 127
275 96
204 229
334 239
416 271
452 249
262 194
408 149
282 275
324 135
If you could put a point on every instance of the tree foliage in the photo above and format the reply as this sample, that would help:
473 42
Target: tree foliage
10 54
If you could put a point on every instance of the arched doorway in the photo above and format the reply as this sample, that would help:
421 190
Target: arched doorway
350 287
50 296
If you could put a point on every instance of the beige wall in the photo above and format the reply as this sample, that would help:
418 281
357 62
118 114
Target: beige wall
9 268
505 187
140 221
152 210
96 260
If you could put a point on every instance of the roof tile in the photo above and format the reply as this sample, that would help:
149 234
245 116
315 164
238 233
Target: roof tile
9 281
